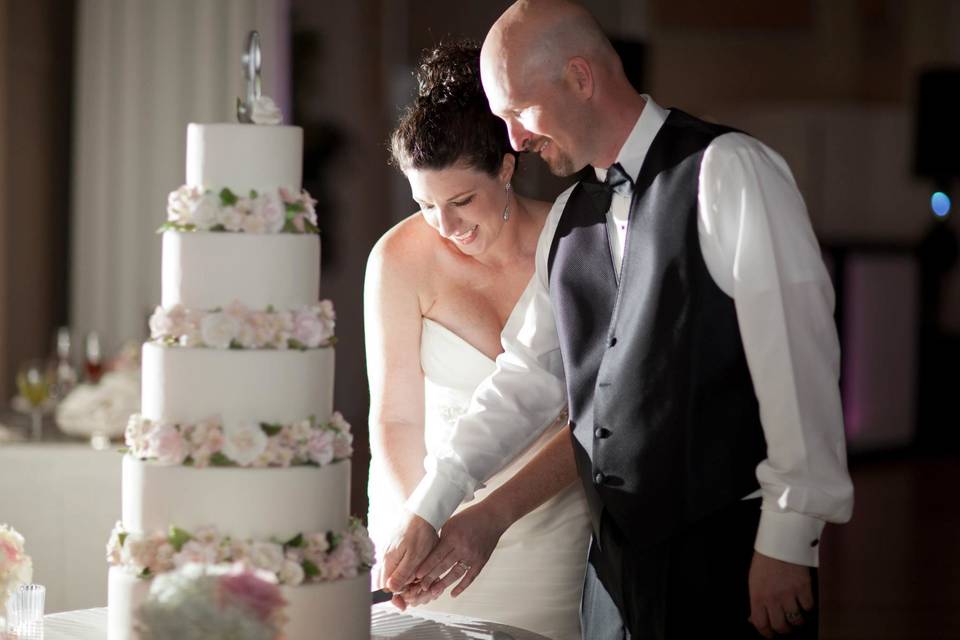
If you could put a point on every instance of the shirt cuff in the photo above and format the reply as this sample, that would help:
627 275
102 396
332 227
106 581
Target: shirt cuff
789 536
435 499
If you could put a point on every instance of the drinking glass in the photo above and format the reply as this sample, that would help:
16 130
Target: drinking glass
33 383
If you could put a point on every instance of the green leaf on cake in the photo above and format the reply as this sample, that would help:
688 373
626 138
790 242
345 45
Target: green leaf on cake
218 227
271 429
228 198
220 460
296 542
188 461
310 570
178 537
253 194
334 539
309 227
146 573
121 537
271 309
294 207
235 344
293 343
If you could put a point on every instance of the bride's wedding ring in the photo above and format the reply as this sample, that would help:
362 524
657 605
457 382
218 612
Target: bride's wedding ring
793 616
463 565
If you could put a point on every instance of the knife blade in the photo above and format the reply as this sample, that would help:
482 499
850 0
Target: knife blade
380 595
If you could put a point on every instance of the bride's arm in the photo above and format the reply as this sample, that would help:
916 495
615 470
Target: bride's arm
469 537
393 323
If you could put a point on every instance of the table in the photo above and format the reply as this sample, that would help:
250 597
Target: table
64 497
387 623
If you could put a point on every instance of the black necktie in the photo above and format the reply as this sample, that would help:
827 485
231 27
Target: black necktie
617 180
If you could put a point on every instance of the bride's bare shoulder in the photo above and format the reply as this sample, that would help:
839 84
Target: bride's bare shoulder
406 247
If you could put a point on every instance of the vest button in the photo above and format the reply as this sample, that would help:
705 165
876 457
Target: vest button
601 433
613 341
599 478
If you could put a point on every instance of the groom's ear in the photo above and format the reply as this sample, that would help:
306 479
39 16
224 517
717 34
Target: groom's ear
579 77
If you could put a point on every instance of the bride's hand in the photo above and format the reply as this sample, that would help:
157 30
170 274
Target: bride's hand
466 542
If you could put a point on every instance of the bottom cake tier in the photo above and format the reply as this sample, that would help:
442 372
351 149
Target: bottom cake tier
334 610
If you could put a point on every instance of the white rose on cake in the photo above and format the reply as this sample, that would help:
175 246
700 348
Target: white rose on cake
243 441
267 556
291 573
218 330
205 211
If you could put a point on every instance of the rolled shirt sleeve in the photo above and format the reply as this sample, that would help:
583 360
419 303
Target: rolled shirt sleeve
511 408
759 247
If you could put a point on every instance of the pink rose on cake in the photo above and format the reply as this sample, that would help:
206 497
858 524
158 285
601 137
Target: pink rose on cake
245 332
343 561
244 441
320 447
196 551
165 443
310 328
269 208
206 439
218 330
279 453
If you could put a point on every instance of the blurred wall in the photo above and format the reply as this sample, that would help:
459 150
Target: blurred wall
36 40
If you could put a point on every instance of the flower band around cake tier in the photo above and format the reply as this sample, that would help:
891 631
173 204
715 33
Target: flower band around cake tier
303 559
239 327
192 208
212 442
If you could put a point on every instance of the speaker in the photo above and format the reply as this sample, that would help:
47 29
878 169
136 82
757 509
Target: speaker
937 148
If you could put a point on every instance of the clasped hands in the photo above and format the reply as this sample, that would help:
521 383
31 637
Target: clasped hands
419 565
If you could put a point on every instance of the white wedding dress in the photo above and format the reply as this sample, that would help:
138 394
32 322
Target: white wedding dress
534 577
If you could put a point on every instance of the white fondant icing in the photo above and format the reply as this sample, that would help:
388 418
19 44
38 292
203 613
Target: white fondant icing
256 504
244 157
180 384
338 610
209 270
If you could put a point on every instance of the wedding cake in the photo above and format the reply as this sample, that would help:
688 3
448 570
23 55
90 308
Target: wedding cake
237 454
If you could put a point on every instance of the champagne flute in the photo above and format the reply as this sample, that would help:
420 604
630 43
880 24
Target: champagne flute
34 387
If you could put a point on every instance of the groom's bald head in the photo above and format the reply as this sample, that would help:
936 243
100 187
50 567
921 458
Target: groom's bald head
534 39
552 75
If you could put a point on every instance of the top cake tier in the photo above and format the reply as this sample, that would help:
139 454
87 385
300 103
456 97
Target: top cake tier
244 157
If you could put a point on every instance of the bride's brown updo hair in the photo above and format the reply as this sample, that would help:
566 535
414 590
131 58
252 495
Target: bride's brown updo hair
450 121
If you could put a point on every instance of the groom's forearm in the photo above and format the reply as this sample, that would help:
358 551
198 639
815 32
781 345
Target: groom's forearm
549 472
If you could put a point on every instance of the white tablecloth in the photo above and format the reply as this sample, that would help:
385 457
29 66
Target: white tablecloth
64 498
387 624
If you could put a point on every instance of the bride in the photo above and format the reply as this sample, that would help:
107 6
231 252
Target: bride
440 286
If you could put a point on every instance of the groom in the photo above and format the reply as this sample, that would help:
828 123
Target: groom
685 293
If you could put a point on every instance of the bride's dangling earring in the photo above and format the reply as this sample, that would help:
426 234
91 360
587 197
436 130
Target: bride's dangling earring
506 207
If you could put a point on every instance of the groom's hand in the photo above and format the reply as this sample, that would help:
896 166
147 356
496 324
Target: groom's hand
414 540
780 593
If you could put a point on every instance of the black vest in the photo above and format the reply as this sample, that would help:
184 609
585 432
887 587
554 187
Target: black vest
665 420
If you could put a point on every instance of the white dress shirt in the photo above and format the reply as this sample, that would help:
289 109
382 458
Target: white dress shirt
760 249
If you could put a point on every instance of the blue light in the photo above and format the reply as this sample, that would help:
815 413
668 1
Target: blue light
940 203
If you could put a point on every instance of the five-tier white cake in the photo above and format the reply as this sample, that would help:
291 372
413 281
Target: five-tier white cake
237 454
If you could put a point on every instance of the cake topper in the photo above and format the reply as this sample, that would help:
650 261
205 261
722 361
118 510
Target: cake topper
251 73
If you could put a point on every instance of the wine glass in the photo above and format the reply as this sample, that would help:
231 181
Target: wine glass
33 383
